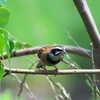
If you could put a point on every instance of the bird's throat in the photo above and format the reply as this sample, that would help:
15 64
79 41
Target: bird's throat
52 61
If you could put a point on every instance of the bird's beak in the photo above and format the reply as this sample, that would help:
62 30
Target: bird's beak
64 51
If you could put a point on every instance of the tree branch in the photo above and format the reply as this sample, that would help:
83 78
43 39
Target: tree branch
52 72
69 49
88 21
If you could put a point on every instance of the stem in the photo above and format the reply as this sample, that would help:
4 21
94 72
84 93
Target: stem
87 18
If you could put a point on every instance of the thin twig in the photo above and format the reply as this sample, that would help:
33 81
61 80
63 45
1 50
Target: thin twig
91 83
21 86
70 64
62 93
70 37
25 85
24 79
52 86
94 77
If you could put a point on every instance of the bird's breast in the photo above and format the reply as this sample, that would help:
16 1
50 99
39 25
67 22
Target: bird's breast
48 61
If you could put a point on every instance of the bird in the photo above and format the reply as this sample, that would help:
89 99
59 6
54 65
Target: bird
50 56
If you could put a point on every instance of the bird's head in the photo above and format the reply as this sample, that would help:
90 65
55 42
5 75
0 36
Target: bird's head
57 52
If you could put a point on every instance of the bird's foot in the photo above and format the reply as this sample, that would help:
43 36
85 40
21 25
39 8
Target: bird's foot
45 71
56 71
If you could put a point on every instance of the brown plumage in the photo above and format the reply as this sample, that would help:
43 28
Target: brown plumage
50 56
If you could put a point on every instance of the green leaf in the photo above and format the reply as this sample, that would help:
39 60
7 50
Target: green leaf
21 45
3 3
2 43
1 71
4 16
63 92
26 45
18 45
6 41
11 44
6 37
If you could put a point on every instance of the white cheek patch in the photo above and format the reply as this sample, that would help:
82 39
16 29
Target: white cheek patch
57 53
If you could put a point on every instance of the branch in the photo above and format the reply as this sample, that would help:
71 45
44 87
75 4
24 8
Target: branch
33 50
26 87
88 21
52 72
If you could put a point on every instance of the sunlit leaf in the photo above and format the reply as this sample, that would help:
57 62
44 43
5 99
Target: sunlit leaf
2 43
21 45
18 45
11 44
1 71
8 44
4 16
26 45
6 37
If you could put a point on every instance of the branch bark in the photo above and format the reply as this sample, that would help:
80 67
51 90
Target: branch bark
69 49
91 28
90 25
52 72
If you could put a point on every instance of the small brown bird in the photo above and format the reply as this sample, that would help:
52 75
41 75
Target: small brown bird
50 56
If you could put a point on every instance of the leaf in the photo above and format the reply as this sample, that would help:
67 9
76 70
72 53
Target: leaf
6 41
11 44
3 3
1 71
2 43
63 91
7 44
21 45
4 16
18 45
26 45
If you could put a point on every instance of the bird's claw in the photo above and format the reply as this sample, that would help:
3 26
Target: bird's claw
45 71
56 71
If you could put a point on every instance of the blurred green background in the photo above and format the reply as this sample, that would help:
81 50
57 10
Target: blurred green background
43 22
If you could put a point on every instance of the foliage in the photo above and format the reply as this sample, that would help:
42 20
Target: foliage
5 39
1 71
